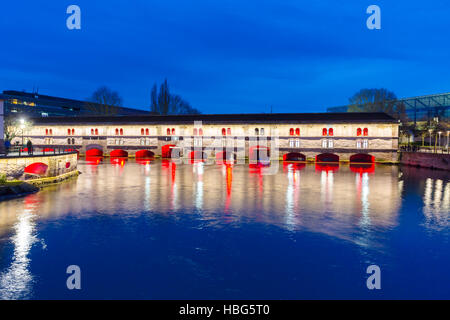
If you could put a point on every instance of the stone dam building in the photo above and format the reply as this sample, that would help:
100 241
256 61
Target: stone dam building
323 137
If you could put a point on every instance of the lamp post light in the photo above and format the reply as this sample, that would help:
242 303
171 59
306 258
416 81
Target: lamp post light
439 142
430 131
22 126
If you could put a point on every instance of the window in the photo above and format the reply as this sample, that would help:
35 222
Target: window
121 131
330 132
73 140
291 131
51 132
92 132
68 132
142 131
366 132
291 143
297 143
46 132
358 132
68 140
117 131
324 143
142 141
200 131
330 143
365 143
195 131
73 132
358 144
229 131
324 131
173 131
256 132
168 131
297 131
147 132
224 133
96 131
261 132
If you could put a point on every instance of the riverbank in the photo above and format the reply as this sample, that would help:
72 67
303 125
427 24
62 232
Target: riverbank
16 189
426 160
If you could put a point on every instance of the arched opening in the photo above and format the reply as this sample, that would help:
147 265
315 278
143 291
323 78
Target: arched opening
362 158
259 153
144 154
166 151
197 155
94 153
327 157
118 153
37 168
294 156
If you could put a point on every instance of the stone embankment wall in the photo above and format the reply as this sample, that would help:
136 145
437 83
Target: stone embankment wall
426 160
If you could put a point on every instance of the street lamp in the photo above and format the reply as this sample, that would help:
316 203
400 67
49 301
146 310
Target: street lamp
439 143
22 126
430 131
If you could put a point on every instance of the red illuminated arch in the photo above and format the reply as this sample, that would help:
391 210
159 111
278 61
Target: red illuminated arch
166 150
38 168
294 156
362 158
327 157
94 153
118 153
144 154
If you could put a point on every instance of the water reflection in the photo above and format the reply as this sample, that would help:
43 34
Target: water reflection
356 204
16 280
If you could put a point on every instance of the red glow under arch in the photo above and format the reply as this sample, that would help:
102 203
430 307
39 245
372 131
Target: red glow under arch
118 153
362 158
38 168
294 156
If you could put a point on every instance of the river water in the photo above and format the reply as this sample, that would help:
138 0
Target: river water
164 230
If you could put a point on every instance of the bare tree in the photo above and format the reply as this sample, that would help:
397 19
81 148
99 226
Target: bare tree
104 101
166 103
373 100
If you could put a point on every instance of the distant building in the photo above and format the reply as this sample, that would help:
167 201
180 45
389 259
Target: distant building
34 105
423 108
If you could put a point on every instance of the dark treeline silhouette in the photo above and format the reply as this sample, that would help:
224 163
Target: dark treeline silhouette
104 101
163 102
377 100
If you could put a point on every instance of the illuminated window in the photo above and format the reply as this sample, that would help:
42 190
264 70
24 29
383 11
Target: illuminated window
173 131
51 132
142 131
117 131
147 132
297 143
365 143
96 132
366 132
195 131
121 132
330 132
168 131
224 132
297 131
330 143
324 131
358 144
200 131
46 132
68 132
92 132
291 131
358 132
73 132
324 143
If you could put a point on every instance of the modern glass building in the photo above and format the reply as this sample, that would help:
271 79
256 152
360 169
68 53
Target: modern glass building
422 108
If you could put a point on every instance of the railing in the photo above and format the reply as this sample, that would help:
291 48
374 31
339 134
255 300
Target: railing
425 149
22 151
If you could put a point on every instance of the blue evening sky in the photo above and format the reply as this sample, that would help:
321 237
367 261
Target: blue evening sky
228 56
